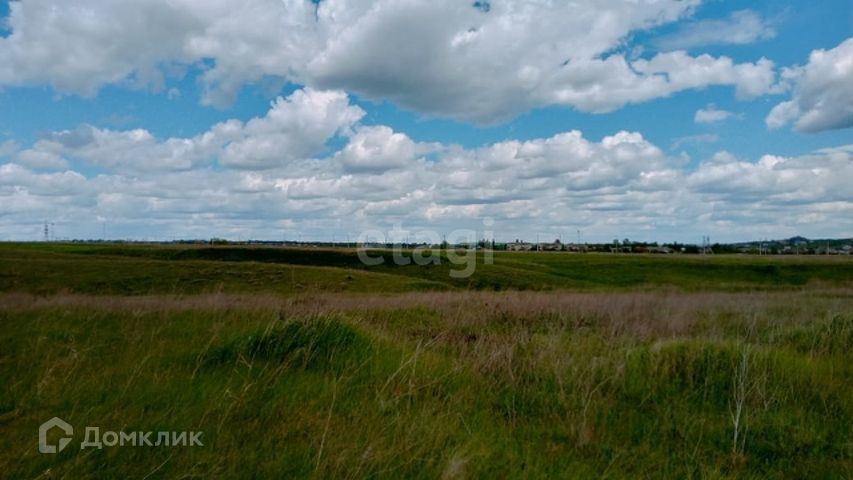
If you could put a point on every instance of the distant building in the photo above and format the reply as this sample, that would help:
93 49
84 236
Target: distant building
518 246
551 247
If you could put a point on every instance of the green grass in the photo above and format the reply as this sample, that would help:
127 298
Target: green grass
46 271
393 392
304 364
139 270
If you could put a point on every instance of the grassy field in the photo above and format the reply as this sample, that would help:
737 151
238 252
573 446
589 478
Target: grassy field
305 363
141 270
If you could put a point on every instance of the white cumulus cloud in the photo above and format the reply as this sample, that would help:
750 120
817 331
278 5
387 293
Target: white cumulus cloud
711 114
443 57
822 94
739 28
619 185
294 128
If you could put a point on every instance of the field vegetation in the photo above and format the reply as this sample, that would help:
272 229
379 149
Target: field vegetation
305 363
139 270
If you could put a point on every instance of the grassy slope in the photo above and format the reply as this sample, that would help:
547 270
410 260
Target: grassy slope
176 269
49 271
335 381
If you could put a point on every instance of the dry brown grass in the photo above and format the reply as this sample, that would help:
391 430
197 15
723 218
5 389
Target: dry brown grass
638 314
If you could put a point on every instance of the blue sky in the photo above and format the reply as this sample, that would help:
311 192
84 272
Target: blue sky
197 79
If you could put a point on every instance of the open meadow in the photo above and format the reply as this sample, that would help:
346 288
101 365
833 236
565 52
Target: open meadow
307 363
384 239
